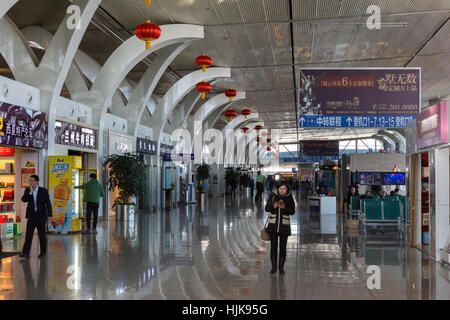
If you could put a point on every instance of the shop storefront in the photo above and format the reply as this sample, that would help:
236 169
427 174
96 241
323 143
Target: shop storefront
147 150
429 181
117 144
76 149
23 133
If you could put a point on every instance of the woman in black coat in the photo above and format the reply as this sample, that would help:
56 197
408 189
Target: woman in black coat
281 206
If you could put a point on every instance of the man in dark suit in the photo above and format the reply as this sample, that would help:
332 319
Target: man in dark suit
38 209
1 248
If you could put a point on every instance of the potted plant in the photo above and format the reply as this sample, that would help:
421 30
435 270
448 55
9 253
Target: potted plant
202 175
127 173
375 190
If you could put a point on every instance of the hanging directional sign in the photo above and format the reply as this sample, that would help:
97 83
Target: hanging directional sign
358 98
355 121
178 157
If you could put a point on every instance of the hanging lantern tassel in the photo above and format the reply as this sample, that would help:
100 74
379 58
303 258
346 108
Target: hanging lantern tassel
246 113
203 87
230 114
148 32
231 93
203 61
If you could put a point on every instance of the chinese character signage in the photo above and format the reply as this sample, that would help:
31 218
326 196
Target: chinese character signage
359 98
178 157
73 135
309 159
432 125
319 148
355 121
145 146
22 127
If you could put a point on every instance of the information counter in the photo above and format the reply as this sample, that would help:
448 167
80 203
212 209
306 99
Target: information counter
322 214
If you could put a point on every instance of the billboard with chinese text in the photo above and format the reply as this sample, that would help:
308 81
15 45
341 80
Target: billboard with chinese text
360 98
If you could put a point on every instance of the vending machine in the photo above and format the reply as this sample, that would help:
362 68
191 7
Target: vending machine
64 173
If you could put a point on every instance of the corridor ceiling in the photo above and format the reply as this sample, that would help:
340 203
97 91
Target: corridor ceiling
266 42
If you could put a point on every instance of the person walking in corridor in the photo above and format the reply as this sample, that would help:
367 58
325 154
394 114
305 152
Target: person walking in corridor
280 205
1 248
259 186
93 191
39 208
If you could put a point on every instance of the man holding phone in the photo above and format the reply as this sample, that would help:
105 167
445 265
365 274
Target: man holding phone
38 209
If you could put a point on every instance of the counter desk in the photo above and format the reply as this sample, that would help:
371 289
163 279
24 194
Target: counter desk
322 214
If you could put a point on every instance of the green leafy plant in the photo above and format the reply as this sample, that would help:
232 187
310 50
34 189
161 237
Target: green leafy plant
375 190
202 174
127 173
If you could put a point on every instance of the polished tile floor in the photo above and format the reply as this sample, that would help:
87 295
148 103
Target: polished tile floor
215 253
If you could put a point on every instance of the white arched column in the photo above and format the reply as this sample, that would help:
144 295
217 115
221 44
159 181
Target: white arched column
172 97
51 73
121 62
212 105
147 85
5 5
16 51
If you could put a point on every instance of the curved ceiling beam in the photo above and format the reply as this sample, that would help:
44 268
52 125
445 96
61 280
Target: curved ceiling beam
75 82
5 5
15 50
216 102
229 132
127 56
180 89
247 140
146 86
210 107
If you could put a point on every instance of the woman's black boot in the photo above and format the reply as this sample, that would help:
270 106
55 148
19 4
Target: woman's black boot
274 264
282 261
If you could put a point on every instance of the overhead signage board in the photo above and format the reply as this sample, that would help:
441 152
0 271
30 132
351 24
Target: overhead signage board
358 98
178 157
432 126
146 146
309 159
74 135
22 127
319 148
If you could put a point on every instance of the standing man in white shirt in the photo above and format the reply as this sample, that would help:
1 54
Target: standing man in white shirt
38 209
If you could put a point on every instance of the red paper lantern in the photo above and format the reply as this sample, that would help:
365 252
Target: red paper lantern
245 129
203 61
231 93
268 149
258 139
246 112
148 32
230 114
269 140
203 87
258 127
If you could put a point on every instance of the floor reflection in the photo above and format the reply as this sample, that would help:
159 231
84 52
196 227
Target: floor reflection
215 253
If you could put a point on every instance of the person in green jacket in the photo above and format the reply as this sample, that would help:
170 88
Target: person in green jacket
93 190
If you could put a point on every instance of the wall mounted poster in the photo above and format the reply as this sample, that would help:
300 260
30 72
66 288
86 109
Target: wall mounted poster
26 174
22 127
359 97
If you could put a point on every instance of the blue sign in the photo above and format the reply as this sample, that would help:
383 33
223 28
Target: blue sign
310 158
178 157
354 121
